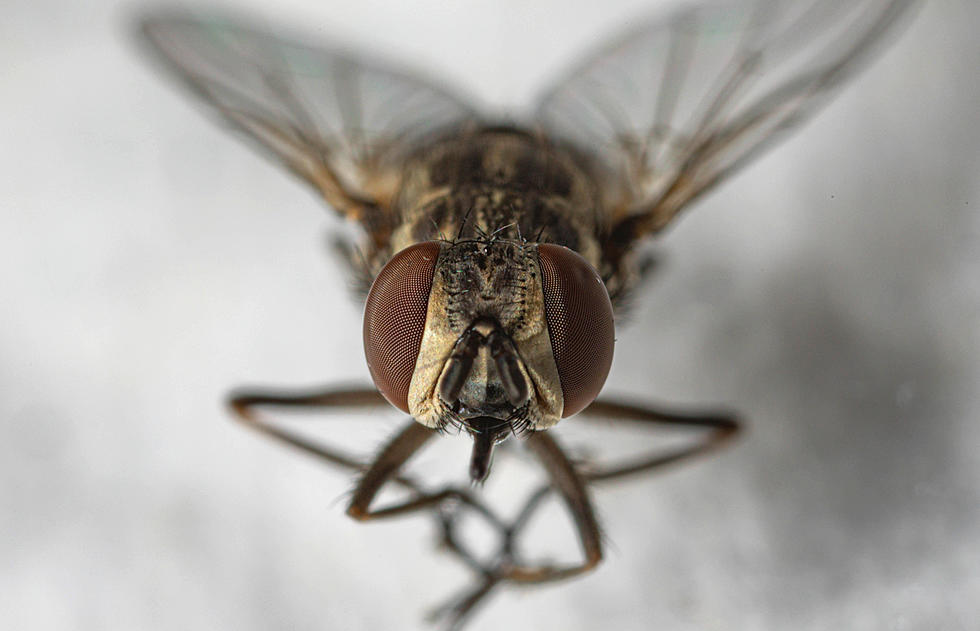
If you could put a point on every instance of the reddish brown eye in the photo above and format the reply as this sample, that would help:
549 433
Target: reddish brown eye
394 319
580 324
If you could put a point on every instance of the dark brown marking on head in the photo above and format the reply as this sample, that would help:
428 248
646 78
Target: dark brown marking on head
485 278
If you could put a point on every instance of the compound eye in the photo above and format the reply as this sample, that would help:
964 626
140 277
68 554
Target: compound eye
580 324
394 319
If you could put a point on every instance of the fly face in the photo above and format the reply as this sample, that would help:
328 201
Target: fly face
493 336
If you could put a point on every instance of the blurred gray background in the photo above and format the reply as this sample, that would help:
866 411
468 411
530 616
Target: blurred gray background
149 261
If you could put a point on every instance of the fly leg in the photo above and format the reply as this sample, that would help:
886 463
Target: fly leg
376 473
244 403
719 427
571 488
570 482
505 566
457 610
444 503
385 467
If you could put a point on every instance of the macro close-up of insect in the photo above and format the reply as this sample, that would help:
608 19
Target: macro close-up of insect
497 314
496 251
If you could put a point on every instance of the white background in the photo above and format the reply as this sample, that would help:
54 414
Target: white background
149 261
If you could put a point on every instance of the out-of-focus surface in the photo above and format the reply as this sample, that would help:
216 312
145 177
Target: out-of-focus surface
148 261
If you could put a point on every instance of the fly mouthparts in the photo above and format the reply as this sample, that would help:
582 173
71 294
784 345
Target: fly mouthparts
487 431
481 457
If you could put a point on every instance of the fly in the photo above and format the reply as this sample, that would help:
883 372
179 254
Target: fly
495 257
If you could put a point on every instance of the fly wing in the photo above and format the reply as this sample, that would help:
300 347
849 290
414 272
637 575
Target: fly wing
684 102
339 122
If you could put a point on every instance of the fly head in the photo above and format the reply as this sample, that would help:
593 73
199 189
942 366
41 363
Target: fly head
492 336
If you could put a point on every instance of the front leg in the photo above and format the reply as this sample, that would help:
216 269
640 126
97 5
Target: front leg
570 480
718 429
245 403
385 466
570 486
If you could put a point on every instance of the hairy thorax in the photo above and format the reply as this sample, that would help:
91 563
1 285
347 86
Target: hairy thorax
504 183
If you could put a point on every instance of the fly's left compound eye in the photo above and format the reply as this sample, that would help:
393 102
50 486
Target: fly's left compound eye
580 324
394 319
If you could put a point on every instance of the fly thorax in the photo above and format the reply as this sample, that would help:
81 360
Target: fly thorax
517 184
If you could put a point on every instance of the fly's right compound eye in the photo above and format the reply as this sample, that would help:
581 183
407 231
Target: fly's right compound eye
580 324
394 319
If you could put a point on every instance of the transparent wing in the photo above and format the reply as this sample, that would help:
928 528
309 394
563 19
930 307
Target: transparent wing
339 122
682 103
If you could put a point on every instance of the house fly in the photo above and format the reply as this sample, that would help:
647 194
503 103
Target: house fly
496 255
